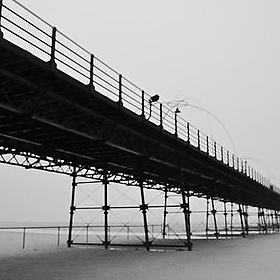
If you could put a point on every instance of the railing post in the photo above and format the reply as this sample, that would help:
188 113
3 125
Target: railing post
91 85
23 237
228 158
222 154
87 227
198 139
188 133
215 150
127 232
237 164
161 119
120 90
207 145
52 60
1 5
58 236
143 105
176 123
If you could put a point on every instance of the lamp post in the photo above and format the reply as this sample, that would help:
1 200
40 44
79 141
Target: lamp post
152 100
185 103
177 111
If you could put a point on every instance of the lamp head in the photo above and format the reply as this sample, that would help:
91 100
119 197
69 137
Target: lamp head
177 111
154 98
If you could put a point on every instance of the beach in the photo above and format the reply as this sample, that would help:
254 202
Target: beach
254 257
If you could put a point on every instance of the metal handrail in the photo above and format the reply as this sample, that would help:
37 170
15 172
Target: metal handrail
110 83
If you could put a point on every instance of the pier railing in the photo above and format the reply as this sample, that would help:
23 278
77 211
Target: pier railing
26 29
123 233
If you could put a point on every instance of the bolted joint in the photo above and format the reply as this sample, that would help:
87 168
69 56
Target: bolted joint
214 212
148 245
144 208
105 181
186 211
72 208
106 243
189 244
106 208
216 234
184 205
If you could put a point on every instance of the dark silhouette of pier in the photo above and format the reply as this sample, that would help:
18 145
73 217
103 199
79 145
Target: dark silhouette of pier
64 110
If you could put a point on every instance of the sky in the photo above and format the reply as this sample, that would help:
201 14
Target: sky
222 55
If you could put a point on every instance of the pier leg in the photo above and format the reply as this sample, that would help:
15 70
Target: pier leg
259 220
276 220
265 227
214 212
246 217
165 213
186 210
226 222
272 220
144 208
231 218
207 218
241 221
106 209
72 207
267 220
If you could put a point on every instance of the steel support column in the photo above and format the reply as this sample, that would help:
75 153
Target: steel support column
263 220
214 212
267 219
207 217
231 218
186 210
225 216
241 221
165 213
144 208
72 207
106 209
246 217
276 220
272 221
259 220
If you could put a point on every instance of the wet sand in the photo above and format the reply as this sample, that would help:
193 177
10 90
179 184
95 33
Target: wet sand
255 257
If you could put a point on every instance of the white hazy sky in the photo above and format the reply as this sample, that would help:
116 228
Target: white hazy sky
223 54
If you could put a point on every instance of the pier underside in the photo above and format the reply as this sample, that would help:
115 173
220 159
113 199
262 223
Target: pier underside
51 120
